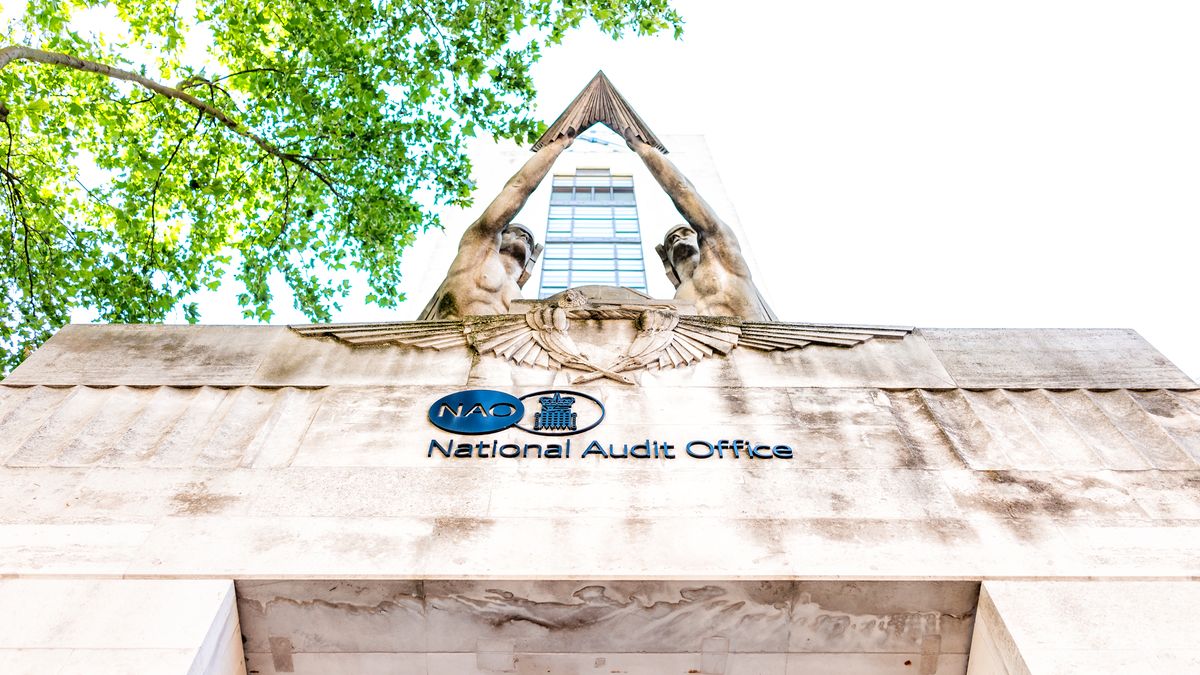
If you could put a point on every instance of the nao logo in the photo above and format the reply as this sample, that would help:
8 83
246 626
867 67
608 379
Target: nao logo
477 411
553 412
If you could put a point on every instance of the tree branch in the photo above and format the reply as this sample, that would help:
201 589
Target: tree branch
8 155
17 205
158 181
249 70
289 184
23 53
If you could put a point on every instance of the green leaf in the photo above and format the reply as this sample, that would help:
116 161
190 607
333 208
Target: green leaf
128 203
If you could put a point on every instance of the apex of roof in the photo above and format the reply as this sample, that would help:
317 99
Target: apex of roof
599 102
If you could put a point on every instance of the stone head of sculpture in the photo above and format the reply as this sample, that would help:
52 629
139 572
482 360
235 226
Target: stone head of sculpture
679 251
517 242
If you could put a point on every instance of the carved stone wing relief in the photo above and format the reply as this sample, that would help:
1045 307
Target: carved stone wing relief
667 340
541 337
511 338
423 334
777 335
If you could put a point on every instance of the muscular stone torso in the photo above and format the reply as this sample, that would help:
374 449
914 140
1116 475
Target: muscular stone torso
715 290
483 279
478 282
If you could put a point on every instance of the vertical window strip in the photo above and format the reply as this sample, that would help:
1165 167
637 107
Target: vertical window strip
601 209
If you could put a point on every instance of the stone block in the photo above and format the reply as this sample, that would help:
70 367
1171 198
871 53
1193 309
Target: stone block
373 663
70 549
877 664
1105 436
1052 358
1083 627
1057 495
908 363
148 355
832 617
604 663
357 492
38 494
1170 495
114 626
333 616
600 626
295 360
1145 431
146 494
591 547
605 617
1127 547
97 661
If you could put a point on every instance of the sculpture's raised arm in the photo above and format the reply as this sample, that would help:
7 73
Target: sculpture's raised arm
516 191
696 211
702 259
495 255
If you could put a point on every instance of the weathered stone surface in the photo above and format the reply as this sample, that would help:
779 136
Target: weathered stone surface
764 624
261 482
227 356
833 428
183 627
148 355
103 550
1053 358
631 664
316 463
597 547
1086 627
303 362
275 356
333 616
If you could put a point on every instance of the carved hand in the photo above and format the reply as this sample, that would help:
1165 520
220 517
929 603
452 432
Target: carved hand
564 140
635 144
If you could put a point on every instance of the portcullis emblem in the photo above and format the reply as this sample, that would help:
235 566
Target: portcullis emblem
555 414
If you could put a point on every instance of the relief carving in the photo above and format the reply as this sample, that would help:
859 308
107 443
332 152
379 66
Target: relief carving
541 336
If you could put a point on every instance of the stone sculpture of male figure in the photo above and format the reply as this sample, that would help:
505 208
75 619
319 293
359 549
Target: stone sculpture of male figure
702 258
494 254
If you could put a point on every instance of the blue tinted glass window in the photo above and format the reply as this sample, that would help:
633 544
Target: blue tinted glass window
557 251
591 264
592 234
584 251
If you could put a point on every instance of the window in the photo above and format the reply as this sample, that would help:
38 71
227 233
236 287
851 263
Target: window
592 235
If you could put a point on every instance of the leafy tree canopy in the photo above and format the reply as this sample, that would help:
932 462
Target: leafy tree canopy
302 137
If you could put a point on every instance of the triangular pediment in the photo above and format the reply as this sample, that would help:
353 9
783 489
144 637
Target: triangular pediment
599 102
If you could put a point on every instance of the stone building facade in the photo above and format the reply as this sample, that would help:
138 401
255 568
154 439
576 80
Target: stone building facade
981 501
446 498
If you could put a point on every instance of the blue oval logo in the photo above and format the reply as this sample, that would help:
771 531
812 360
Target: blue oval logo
476 411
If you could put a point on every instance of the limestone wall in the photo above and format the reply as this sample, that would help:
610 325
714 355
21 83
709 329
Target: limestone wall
305 470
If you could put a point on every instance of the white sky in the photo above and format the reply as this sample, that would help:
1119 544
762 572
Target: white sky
942 163
1019 163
